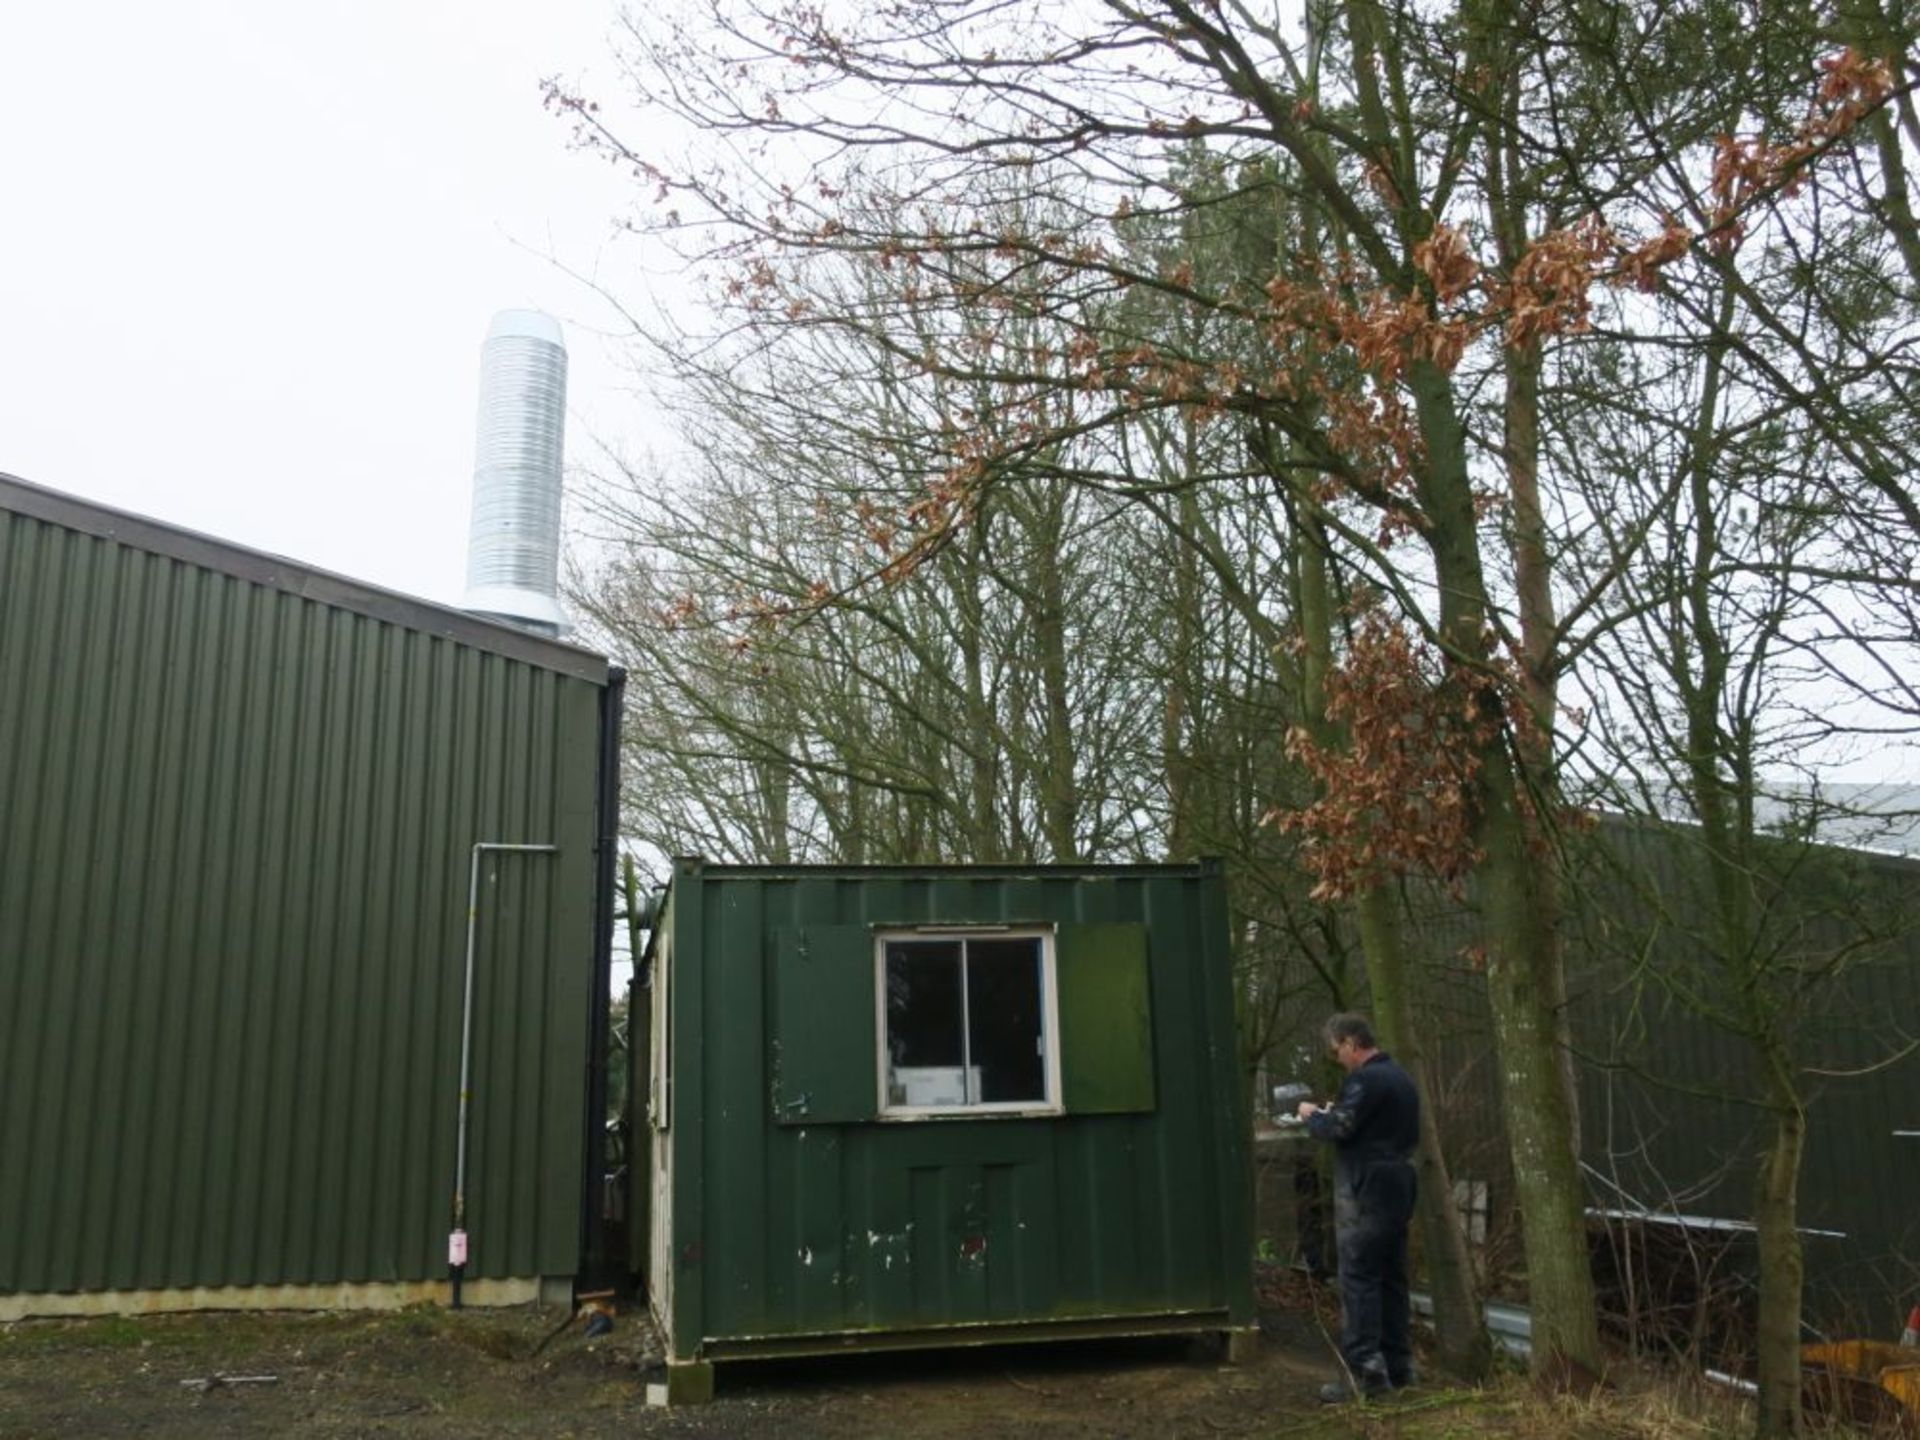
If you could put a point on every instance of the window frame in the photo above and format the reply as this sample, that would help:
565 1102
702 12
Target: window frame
1054 1102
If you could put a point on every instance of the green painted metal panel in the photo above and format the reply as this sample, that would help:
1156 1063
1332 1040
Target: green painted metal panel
1668 1123
782 1226
822 1049
237 805
1106 1018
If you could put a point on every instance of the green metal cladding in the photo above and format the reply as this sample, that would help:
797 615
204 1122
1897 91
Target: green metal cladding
785 1215
238 800
1668 1088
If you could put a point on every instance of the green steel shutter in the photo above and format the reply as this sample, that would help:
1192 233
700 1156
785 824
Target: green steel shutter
821 1047
1106 1019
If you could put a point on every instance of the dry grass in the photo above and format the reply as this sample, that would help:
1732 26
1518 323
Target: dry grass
1640 1406
1649 1410
476 1374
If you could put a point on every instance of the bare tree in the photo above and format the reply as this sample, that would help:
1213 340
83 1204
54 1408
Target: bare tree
1474 173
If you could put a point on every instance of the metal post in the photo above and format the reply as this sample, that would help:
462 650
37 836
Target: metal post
457 1239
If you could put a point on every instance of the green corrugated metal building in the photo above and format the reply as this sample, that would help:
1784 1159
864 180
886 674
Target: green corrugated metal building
239 800
938 1105
1671 1134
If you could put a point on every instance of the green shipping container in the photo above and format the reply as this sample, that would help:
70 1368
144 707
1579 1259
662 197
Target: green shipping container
239 805
913 1106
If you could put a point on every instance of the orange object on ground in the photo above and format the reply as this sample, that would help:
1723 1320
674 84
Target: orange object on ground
1846 1377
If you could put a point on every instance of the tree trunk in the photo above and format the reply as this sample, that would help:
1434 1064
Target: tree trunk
983 812
774 816
853 833
1511 203
1176 752
1522 951
1060 798
1464 1346
1533 583
1720 774
1776 1216
1521 990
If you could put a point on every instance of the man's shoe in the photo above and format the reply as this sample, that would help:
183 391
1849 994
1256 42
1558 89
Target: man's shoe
1406 1379
1365 1386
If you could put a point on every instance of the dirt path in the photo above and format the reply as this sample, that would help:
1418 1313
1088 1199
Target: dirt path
475 1374
428 1372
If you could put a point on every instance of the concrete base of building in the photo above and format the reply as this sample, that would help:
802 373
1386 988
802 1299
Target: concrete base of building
483 1294
1241 1345
688 1382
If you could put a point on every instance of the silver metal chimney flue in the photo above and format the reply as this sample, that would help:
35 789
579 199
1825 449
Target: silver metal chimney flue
513 547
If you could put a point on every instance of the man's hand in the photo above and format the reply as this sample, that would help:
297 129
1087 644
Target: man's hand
1307 1109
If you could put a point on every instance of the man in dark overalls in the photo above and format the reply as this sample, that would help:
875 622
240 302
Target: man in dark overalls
1375 1125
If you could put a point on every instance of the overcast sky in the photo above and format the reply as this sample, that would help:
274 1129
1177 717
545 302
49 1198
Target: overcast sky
248 253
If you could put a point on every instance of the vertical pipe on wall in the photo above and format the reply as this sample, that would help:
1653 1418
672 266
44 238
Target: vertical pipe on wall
457 1237
593 1248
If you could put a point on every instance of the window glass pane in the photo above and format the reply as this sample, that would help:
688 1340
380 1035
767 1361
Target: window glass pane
1005 1023
924 1051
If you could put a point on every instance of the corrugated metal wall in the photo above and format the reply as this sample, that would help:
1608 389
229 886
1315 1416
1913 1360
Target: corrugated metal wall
1669 1118
1667 1123
235 826
782 1228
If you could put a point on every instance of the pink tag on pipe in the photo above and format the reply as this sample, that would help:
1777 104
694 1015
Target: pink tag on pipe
457 1248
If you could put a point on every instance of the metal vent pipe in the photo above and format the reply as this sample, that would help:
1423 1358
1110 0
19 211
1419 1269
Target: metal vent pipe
457 1236
513 550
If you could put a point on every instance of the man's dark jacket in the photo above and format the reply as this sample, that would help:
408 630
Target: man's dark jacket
1376 1120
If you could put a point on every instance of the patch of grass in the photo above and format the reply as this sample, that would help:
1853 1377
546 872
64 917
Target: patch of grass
229 1337
414 1322
1445 1414
32 1337
173 1334
493 1341
1511 1408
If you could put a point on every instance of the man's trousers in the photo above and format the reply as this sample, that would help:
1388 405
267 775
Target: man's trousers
1370 1223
